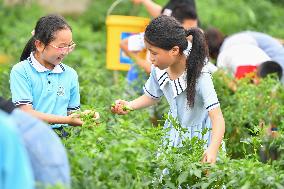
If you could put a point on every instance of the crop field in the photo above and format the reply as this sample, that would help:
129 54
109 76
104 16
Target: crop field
127 151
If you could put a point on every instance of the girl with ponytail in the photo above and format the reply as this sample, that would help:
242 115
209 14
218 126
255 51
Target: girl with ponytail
183 78
40 83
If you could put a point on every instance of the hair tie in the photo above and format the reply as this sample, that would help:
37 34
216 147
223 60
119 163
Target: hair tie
189 32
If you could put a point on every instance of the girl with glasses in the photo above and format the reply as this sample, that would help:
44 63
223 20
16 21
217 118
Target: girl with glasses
41 84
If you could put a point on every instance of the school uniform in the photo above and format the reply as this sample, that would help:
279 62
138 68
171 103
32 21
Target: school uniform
49 91
194 119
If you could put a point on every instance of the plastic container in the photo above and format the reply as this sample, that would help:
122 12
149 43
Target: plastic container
118 28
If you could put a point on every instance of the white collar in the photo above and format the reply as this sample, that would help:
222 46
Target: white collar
178 85
40 68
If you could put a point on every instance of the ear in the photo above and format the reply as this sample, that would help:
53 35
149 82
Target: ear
39 46
174 51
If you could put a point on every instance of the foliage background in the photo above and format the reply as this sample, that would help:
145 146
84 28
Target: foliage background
124 152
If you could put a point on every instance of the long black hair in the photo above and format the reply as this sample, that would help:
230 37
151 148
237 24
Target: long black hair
44 31
166 32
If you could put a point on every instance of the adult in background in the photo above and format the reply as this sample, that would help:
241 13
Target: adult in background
134 44
245 52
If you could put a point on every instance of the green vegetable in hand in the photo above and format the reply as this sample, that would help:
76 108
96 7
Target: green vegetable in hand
127 108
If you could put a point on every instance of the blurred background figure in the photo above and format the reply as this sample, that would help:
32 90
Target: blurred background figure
246 52
183 10
155 9
15 168
45 152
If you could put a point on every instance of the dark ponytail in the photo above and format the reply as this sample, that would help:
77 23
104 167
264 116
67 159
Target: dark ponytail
44 31
30 47
195 62
166 32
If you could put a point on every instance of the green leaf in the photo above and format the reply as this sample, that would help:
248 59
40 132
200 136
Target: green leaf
279 186
182 177
205 185
197 173
170 184
246 186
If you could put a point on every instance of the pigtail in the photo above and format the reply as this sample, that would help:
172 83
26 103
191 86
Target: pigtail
195 62
166 32
30 47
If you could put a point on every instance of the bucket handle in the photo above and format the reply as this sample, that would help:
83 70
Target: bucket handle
113 5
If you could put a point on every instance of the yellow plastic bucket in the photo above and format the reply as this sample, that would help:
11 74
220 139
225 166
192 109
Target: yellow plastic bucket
118 28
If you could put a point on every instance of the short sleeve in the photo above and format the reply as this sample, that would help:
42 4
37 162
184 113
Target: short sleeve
211 67
152 87
20 86
74 103
207 91
136 42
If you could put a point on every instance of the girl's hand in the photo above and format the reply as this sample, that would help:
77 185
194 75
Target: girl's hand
209 156
95 115
121 107
74 120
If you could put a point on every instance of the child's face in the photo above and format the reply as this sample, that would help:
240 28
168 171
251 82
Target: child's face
159 57
56 50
